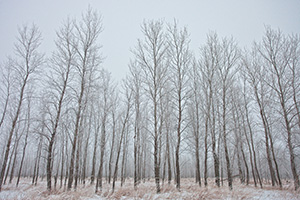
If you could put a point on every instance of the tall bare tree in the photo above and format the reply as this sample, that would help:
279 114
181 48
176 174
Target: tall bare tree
107 90
61 64
27 131
195 116
151 57
88 59
136 87
179 57
124 117
256 76
227 69
277 52
24 67
209 62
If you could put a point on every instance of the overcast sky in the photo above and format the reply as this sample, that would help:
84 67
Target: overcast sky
244 20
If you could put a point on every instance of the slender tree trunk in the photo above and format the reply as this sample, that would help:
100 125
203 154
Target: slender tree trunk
290 146
156 146
178 148
78 154
215 155
252 142
84 167
62 162
74 144
116 164
225 141
207 120
77 126
26 139
119 149
110 162
54 131
38 154
198 176
168 158
15 152
241 176
272 172
238 142
206 149
136 141
102 150
136 154
94 154
275 161
38 161
24 151
124 157
246 165
9 163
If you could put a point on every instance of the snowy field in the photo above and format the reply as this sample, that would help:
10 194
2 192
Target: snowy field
147 191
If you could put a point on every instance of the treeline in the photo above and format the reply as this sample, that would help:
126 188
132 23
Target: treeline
221 112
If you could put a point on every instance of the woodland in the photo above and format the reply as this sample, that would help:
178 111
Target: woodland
220 116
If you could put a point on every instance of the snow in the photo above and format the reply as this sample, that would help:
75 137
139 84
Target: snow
145 191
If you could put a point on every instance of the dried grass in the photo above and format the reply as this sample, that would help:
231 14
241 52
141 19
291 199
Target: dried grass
189 191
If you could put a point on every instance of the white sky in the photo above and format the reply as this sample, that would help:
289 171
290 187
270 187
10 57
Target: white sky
244 20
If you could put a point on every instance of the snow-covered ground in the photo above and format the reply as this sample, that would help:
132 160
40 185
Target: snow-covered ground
189 190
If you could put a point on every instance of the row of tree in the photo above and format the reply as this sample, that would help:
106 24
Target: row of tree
222 112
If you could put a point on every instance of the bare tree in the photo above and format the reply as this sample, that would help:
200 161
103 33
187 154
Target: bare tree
256 76
194 116
88 59
276 51
107 90
226 70
209 62
151 57
29 59
179 57
246 120
61 64
114 108
125 117
97 125
27 130
136 86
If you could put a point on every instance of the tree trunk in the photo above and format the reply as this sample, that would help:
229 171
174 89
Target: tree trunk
94 154
206 149
119 147
15 152
78 154
252 143
84 167
110 162
238 141
215 155
290 146
225 142
102 150
275 161
124 158
24 151
77 126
